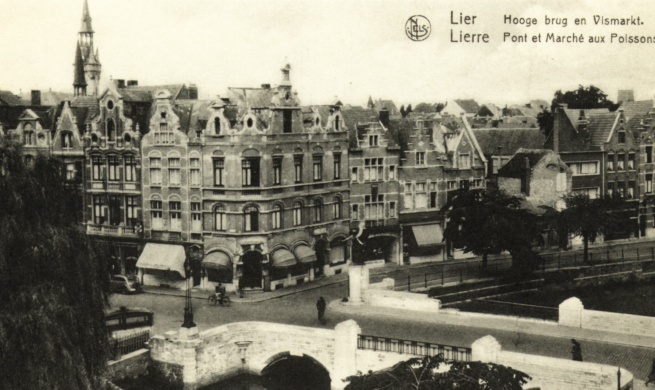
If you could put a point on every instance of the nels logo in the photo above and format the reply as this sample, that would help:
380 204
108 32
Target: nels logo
418 28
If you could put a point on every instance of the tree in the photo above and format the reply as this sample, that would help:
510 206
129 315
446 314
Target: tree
437 373
488 222
589 218
54 283
581 98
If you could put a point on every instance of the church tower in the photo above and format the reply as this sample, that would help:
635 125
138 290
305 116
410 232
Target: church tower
87 63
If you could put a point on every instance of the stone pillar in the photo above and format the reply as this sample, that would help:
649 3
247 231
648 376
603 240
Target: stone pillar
570 313
345 352
486 349
358 283
395 252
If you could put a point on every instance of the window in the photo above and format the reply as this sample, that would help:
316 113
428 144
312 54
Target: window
277 170
374 207
297 214
66 140
620 189
175 214
156 212
610 189
433 195
610 162
318 167
353 174
631 161
392 209
649 183
373 169
111 130
113 164
354 215
560 185
464 161
336 208
451 185
586 168
71 174
421 196
250 172
96 167
217 125
219 167
392 172
476 183
250 219
174 178
318 210
337 166
99 211
409 198
130 168
592 193
621 136
464 184
164 135
631 189
287 121
194 170
29 137
620 164
337 123
297 163
196 217
373 140
155 171
420 158
131 210
276 217
219 218
649 154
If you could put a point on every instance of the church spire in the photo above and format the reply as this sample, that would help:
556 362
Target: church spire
88 62
79 78
86 19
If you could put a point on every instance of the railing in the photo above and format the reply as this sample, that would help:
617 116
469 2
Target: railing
409 347
127 344
111 229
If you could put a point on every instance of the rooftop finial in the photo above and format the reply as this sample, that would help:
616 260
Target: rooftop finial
86 19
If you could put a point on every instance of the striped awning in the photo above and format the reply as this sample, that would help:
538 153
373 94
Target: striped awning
217 260
282 258
304 254
428 235
163 257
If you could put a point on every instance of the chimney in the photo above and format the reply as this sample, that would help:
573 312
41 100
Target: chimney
120 83
582 124
266 86
35 97
557 122
286 75
384 117
525 180
193 92
132 83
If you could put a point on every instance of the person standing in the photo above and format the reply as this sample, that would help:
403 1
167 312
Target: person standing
320 306
651 376
576 351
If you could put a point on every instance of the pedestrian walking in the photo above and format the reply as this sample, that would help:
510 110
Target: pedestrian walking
320 306
576 351
651 376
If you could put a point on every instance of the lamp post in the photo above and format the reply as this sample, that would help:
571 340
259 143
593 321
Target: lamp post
188 306
618 379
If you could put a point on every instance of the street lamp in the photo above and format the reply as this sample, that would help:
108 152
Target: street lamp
188 306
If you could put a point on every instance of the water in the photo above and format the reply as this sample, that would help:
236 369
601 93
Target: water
239 382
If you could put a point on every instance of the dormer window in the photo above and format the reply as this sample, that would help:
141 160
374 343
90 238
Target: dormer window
317 121
622 136
110 105
217 125
287 96
249 123
337 123
373 140
111 130
163 115
66 140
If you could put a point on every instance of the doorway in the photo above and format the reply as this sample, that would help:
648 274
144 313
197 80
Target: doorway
321 248
252 269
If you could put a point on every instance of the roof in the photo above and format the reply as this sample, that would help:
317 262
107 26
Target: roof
516 166
508 140
79 80
388 104
9 99
492 108
470 106
251 97
86 19
636 108
354 117
48 98
600 127
146 93
574 113
193 114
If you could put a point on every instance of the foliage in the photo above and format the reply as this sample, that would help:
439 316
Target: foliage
404 112
429 108
436 373
589 218
54 284
488 222
581 98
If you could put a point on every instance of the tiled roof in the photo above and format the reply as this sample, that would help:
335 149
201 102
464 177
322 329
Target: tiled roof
469 105
354 117
574 113
193 115
388 104
9 99
600 126
48 98
636 108
146 93
516 166
251 97
510 140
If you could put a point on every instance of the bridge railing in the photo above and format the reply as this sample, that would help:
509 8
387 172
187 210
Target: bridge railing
410 347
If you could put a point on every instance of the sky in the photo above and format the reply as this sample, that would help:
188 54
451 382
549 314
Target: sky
349 49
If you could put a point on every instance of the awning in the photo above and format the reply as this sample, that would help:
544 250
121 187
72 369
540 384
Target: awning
282 258
428 235
217 260
163 257
304 254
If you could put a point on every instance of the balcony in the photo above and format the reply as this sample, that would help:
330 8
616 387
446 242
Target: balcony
111 230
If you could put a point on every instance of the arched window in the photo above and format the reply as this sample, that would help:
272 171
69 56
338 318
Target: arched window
250 219
336 208
111 130
297 214
276 216
318 210
217 125
66 140
219 218
337 122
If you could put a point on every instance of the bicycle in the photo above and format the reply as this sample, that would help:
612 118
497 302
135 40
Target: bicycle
224 301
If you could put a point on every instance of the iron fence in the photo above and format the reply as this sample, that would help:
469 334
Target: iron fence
130 343
409 347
